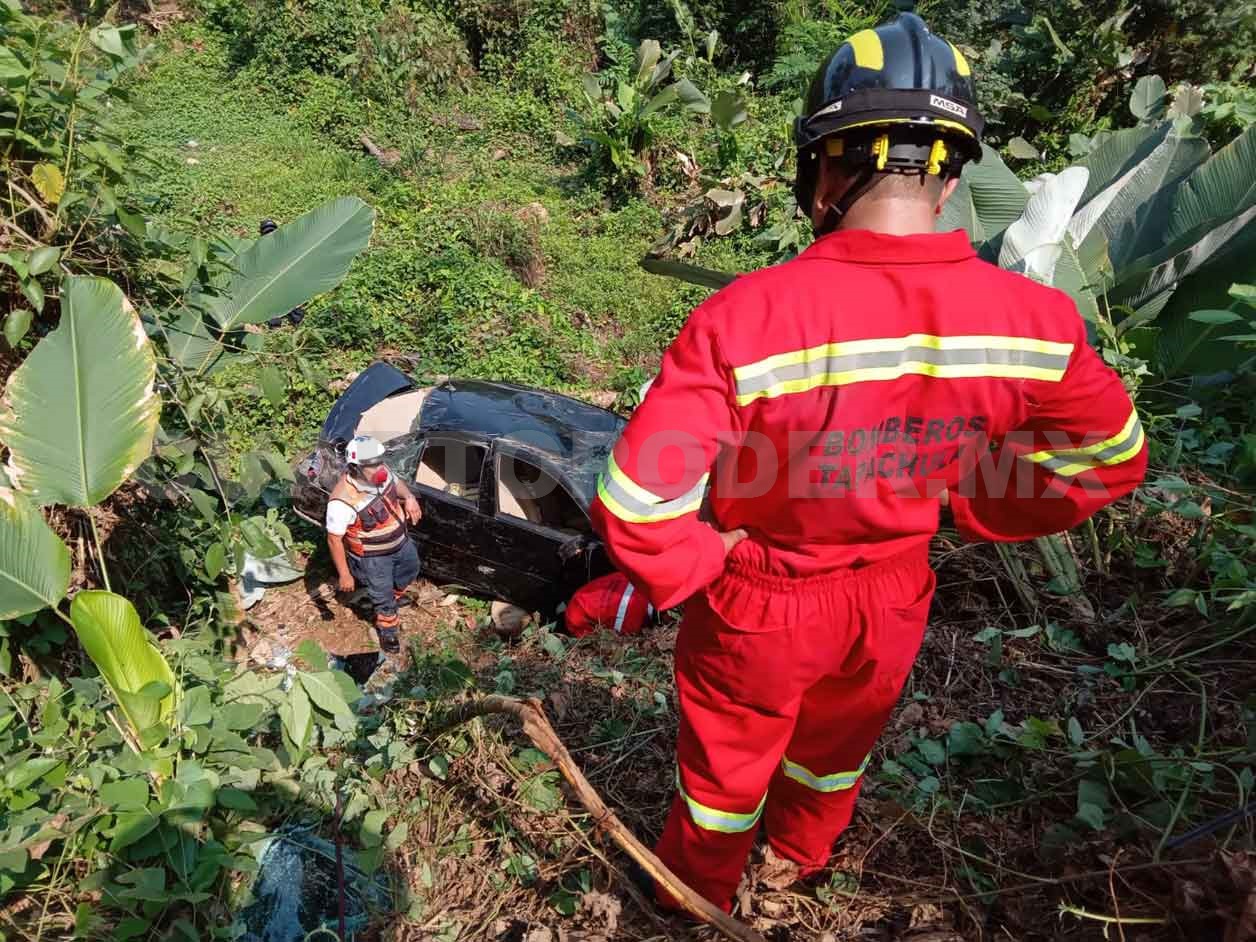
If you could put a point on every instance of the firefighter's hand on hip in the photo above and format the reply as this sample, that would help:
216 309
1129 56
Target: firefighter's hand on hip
413 511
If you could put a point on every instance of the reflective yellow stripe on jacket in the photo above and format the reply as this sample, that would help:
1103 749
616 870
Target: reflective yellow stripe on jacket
712 819
887 358
837 782
1121 447
628 500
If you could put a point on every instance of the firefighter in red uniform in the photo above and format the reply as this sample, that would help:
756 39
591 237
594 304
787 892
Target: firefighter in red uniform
832 404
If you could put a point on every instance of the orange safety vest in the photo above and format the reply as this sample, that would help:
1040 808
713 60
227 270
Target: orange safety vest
380 527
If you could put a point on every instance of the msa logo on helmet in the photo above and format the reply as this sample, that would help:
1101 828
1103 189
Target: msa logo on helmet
947 105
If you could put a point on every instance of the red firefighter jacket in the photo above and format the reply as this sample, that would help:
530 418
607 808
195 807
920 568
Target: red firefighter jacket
610 601
828 400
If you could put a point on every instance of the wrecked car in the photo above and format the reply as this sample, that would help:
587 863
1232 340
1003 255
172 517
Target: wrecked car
505 474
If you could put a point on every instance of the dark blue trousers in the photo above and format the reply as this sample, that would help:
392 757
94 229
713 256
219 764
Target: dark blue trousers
383 576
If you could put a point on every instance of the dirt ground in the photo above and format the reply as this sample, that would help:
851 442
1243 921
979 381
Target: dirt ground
925 872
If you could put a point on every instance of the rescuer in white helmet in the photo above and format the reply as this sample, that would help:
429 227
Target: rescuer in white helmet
368 537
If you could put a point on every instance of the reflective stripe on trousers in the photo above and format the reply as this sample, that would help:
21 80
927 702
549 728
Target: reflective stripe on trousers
837 782
622 612
712 819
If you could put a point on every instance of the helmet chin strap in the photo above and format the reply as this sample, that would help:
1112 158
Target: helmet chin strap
865 180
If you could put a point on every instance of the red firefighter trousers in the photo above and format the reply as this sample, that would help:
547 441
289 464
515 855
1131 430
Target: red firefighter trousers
783 693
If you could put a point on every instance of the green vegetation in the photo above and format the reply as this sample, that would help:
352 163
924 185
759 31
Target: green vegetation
468 187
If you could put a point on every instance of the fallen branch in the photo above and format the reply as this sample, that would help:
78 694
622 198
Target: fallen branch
538 729
1113 920
386 158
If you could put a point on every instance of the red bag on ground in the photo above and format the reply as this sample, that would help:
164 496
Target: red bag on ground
608 602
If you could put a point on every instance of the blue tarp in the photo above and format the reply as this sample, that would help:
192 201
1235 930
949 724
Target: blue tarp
295 891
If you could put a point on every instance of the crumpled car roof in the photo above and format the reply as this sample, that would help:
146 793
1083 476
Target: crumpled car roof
575 436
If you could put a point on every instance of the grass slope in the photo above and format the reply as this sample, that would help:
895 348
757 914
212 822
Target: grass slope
489 259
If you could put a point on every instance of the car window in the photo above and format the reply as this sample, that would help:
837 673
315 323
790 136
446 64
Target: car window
403 457
529 493
452 467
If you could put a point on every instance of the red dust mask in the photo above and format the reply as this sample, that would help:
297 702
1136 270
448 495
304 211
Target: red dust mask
377 475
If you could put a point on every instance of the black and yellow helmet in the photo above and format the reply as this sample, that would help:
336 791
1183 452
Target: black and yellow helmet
895 99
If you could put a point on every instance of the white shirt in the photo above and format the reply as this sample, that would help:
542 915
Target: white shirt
340 516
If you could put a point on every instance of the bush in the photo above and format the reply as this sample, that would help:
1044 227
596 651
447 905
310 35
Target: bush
547 67
801 48
408 53
513 238
326 105
620 118
748 27
1229 109
66 167
499 32
283 38
1071 65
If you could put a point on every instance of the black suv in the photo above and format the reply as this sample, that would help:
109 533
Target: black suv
505 474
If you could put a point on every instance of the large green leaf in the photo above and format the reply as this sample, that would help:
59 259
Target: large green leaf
34 564
664 98
989 198
1116 152
1149 99
1032 244
1153 274
190 343
1137 219
1187 346
1070 277
1130 215
299 260
1222 187
693 274
110 631
958 213
79 414
648 55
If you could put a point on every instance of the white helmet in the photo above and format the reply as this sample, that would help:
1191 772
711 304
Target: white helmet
363 450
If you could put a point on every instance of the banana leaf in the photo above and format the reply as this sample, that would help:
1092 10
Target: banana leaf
1033 243
303 258
138 675
1117 152
80 413
989 198
191 345
693 274
1137 221
1222 187
34 563
1205 246
1187 347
